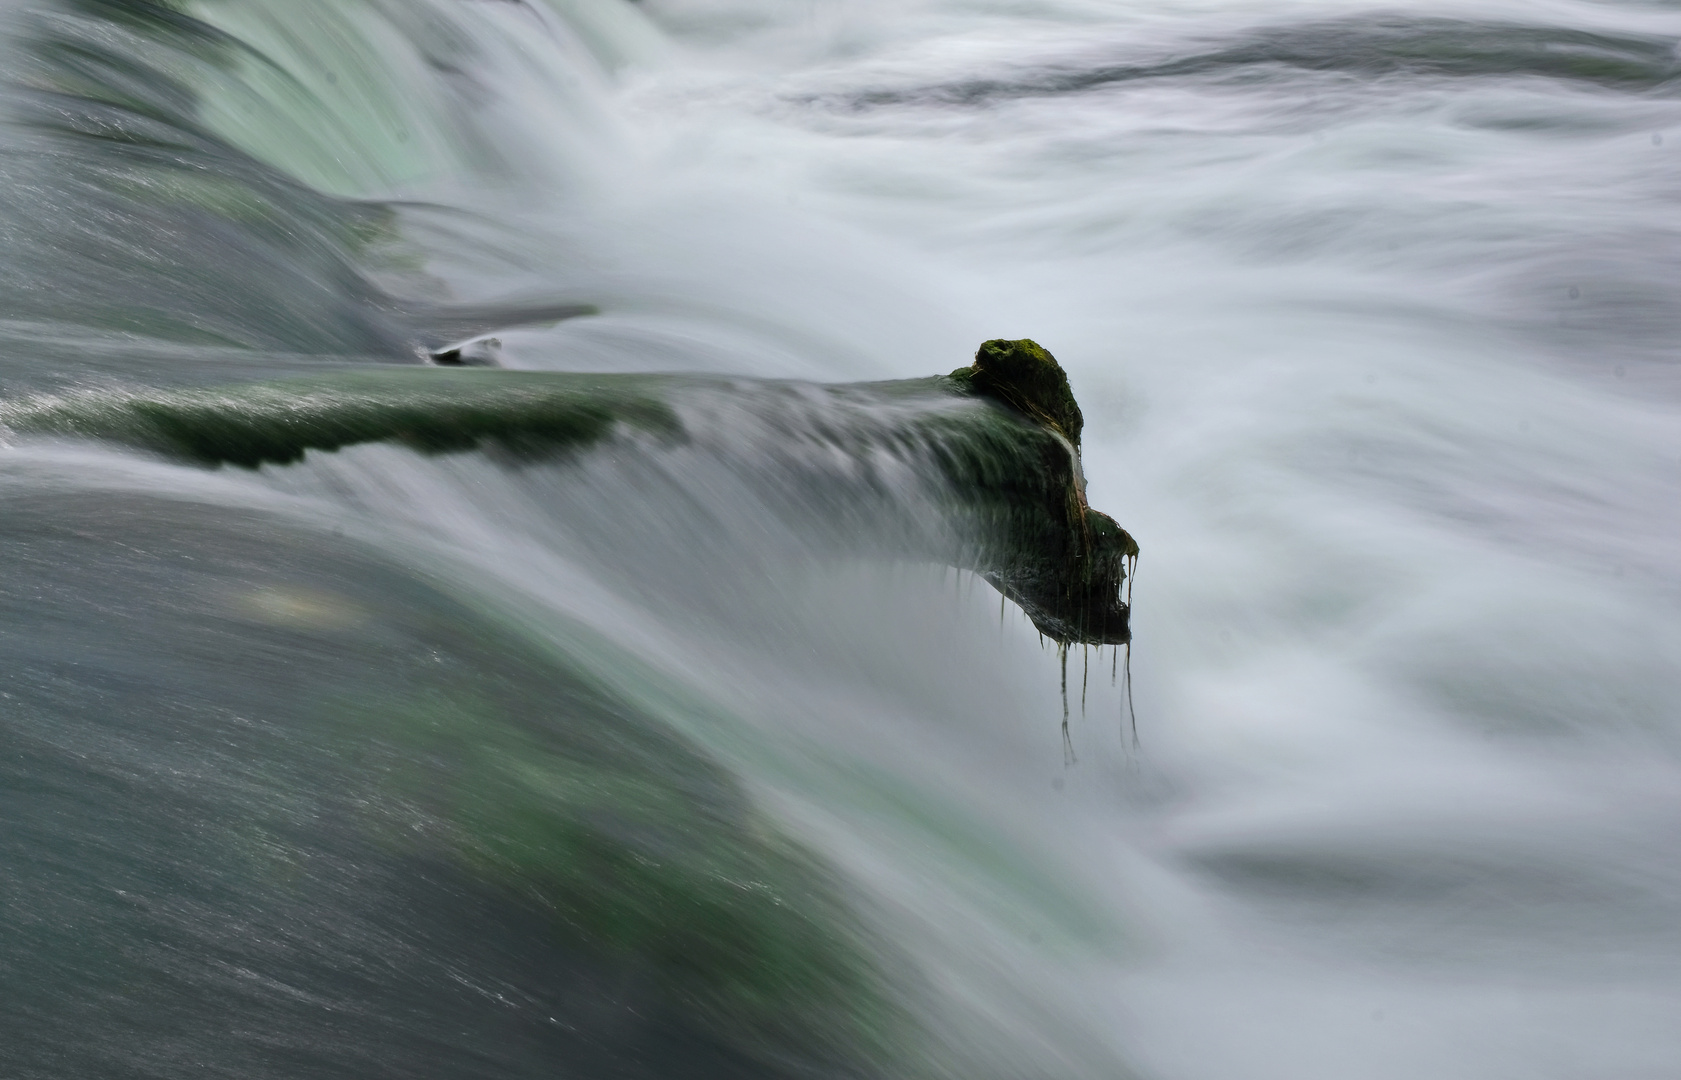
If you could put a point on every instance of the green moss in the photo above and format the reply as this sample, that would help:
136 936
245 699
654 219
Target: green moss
429 410
1025 376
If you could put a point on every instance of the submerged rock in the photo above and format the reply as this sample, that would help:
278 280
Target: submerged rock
319 810
319 814
1009 473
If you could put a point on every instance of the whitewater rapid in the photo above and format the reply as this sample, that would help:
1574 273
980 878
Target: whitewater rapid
1371 310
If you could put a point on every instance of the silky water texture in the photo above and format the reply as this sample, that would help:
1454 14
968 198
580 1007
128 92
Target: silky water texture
648 759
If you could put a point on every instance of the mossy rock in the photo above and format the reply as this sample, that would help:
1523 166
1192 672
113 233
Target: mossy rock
1013 489
1025 376
1061 561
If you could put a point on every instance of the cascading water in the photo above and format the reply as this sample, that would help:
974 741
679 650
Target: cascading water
672 750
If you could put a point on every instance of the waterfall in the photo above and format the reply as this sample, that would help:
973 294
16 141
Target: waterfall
636 697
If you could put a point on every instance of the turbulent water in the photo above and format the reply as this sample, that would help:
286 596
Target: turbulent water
670 756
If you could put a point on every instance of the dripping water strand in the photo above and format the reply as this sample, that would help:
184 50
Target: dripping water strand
1126 683
1126 667
1085 677
1068 757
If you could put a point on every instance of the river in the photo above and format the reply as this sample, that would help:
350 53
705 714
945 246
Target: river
645 760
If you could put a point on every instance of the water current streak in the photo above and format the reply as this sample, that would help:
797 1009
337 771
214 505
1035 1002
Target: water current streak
1379 47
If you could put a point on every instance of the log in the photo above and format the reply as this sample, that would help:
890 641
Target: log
1002 436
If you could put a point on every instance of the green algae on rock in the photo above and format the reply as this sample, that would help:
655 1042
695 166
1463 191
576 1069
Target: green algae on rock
430 410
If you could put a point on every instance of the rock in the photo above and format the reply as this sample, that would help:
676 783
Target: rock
1025 376
1061 561
1013 490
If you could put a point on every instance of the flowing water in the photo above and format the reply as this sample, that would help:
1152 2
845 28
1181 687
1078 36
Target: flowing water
651 759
